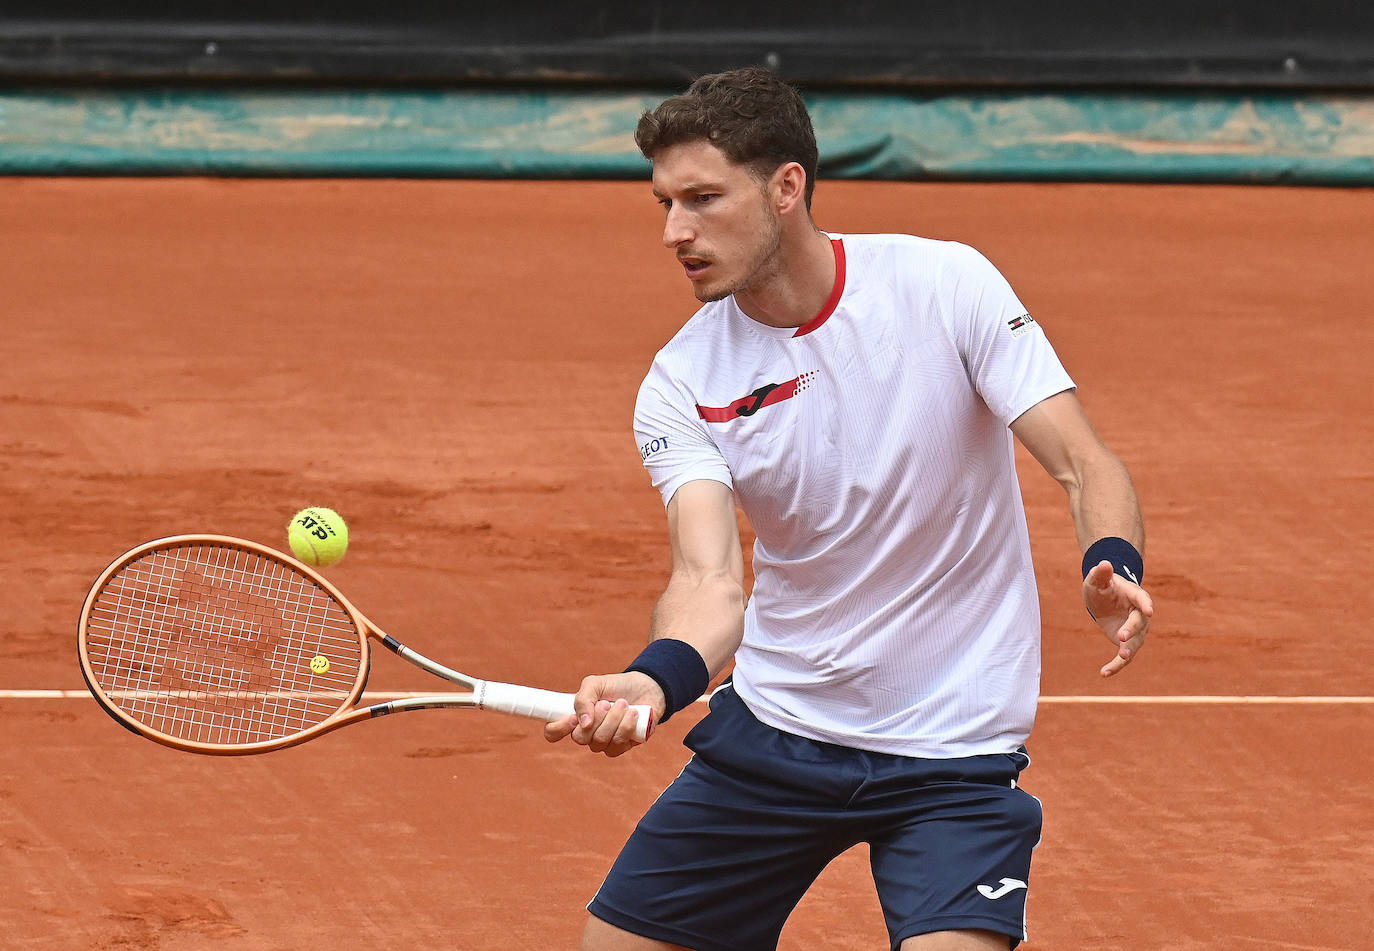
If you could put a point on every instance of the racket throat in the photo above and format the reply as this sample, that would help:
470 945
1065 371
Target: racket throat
424 663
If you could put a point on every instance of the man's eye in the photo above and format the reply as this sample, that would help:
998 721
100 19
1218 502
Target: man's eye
705 197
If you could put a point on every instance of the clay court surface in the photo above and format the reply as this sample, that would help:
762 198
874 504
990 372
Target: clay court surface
452 365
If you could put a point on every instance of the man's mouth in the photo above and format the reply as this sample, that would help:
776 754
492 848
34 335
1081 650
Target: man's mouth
694 267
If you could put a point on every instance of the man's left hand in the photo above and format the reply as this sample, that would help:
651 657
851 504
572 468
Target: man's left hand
1122 609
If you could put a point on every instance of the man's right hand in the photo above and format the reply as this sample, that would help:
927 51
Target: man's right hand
604 722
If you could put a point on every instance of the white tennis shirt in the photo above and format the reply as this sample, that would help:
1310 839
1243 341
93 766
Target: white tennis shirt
894 605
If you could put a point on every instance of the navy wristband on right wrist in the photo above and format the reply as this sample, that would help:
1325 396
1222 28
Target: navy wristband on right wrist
1126 561
678 668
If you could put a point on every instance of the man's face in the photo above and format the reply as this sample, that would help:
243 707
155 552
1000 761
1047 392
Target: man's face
718 220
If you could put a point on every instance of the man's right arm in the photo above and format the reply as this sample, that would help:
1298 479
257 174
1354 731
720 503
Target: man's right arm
704 601
703 606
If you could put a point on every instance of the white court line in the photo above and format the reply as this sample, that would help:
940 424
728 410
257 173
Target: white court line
1087 699
1182 700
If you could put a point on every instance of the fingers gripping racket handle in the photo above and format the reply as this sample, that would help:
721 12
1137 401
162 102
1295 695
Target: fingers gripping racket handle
547 705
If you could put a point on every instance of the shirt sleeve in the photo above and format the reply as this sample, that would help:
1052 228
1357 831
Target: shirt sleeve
673 441
1006 353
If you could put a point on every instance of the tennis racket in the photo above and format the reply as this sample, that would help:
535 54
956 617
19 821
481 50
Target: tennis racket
219 645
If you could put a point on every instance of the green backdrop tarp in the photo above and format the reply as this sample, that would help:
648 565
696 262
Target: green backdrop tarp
561 133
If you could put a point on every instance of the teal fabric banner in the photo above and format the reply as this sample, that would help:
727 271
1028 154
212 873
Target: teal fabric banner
566 133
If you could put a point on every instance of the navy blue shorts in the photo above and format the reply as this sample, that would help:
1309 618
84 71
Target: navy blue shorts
725 854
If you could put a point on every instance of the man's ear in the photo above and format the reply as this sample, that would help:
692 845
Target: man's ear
788 187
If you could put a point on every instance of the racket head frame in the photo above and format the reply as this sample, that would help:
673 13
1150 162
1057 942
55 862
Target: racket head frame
347 710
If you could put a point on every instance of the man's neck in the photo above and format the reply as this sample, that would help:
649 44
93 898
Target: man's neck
798 283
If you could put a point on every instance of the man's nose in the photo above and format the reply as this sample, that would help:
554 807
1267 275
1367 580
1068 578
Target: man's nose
676 228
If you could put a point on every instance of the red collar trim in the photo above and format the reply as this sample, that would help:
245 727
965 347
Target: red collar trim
836 292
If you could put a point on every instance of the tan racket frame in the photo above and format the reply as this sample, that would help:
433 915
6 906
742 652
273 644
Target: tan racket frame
507 698
343 716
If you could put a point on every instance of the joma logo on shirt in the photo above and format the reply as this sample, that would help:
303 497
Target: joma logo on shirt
765 395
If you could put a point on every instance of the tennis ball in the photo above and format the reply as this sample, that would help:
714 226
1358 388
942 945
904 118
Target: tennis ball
318 536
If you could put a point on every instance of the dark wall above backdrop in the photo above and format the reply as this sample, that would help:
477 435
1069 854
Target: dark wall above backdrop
1277 44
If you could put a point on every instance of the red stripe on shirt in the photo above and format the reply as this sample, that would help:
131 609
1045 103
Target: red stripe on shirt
724 414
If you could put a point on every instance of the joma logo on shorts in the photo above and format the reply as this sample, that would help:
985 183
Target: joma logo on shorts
1009 885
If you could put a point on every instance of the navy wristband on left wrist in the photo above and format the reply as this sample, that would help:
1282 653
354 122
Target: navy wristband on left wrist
1126 561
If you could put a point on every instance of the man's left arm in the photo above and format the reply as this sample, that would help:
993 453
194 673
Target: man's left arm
1106 516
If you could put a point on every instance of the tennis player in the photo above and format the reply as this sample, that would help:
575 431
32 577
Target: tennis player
856 397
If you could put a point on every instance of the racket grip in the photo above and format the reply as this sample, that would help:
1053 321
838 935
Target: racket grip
547 705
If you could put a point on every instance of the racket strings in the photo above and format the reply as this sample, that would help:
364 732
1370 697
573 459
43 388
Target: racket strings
219 645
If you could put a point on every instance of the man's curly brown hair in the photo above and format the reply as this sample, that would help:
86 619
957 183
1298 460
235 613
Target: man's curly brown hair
752 116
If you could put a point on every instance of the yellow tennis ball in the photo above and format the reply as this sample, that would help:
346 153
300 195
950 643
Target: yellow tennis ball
318 536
